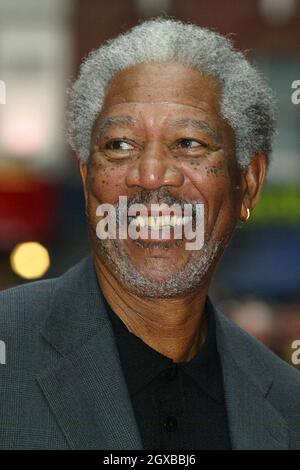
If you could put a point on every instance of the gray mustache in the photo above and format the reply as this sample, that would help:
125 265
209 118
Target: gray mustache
160 196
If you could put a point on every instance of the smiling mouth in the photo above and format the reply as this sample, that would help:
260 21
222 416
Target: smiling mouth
161 230
159 222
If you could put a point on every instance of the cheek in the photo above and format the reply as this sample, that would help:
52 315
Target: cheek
209 176
211 182
105 182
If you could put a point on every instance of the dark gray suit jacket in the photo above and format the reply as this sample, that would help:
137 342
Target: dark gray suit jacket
62 385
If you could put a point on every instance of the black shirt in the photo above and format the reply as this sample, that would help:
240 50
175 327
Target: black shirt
177 405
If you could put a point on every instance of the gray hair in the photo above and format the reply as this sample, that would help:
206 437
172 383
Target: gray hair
247 100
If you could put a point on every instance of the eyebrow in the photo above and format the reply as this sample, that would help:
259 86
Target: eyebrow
112 121
124 121
196 124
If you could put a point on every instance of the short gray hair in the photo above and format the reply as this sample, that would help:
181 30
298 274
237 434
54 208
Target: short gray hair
247 103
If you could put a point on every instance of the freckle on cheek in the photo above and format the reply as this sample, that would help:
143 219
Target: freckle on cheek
213 170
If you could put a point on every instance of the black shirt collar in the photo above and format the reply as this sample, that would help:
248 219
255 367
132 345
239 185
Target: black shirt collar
141 363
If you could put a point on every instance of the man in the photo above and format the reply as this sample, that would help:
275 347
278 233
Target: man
126 350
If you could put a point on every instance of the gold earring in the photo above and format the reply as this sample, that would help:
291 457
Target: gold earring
248 214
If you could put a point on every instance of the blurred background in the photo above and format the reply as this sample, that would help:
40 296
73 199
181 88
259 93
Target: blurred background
42 223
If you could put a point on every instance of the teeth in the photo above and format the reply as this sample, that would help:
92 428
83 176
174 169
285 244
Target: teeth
160 221
139 221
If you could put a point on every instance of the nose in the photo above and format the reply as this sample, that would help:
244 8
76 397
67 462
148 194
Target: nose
154 169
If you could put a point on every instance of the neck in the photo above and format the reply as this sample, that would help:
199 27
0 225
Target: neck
175 327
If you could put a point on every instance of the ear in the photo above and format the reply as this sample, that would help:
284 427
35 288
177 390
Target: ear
83 169
253 179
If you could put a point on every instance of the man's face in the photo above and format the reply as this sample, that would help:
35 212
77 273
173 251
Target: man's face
160 139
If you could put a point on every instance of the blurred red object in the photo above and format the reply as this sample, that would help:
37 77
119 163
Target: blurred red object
29 209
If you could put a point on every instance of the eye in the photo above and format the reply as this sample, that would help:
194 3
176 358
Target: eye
119 144
191 144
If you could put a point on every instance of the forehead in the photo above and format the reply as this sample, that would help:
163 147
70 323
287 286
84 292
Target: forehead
163 83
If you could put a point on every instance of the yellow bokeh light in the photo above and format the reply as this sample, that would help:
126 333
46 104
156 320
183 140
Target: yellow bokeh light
30 260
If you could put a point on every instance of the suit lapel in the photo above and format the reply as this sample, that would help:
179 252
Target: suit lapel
254 423
85 388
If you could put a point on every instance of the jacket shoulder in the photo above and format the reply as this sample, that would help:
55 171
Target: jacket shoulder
27 303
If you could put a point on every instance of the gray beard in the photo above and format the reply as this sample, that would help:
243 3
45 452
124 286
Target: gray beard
186 280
